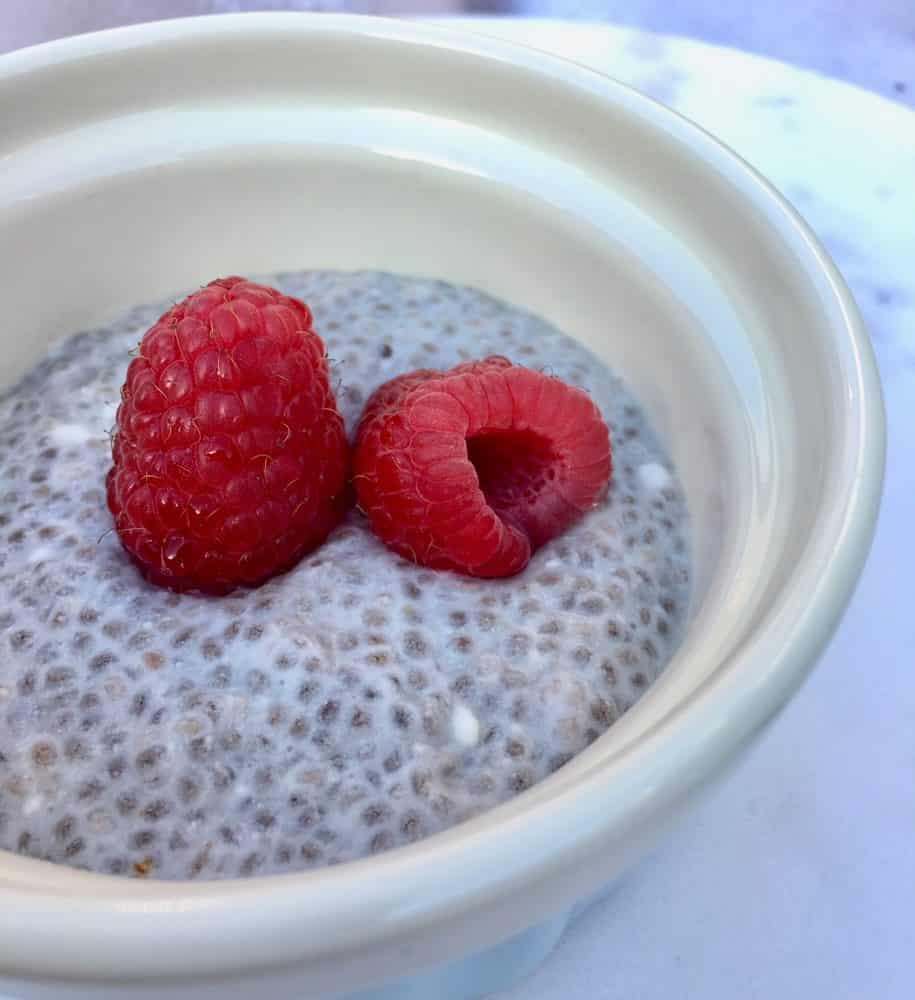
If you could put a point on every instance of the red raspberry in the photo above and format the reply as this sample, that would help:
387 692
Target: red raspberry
473 469
230 458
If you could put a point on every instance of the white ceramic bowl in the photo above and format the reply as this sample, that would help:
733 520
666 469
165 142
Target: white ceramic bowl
137 162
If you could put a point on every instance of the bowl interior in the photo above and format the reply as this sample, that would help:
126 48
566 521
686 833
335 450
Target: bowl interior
144 164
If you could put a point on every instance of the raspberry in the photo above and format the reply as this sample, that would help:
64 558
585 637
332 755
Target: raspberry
474 469
230 458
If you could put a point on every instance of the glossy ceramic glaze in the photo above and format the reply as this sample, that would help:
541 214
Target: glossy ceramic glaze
138 162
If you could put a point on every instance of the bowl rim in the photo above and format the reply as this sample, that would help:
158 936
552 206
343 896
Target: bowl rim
316 914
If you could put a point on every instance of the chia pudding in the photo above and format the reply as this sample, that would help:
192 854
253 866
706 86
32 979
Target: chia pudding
355 704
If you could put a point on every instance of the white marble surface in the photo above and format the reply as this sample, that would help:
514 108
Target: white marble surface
870 44
796 878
